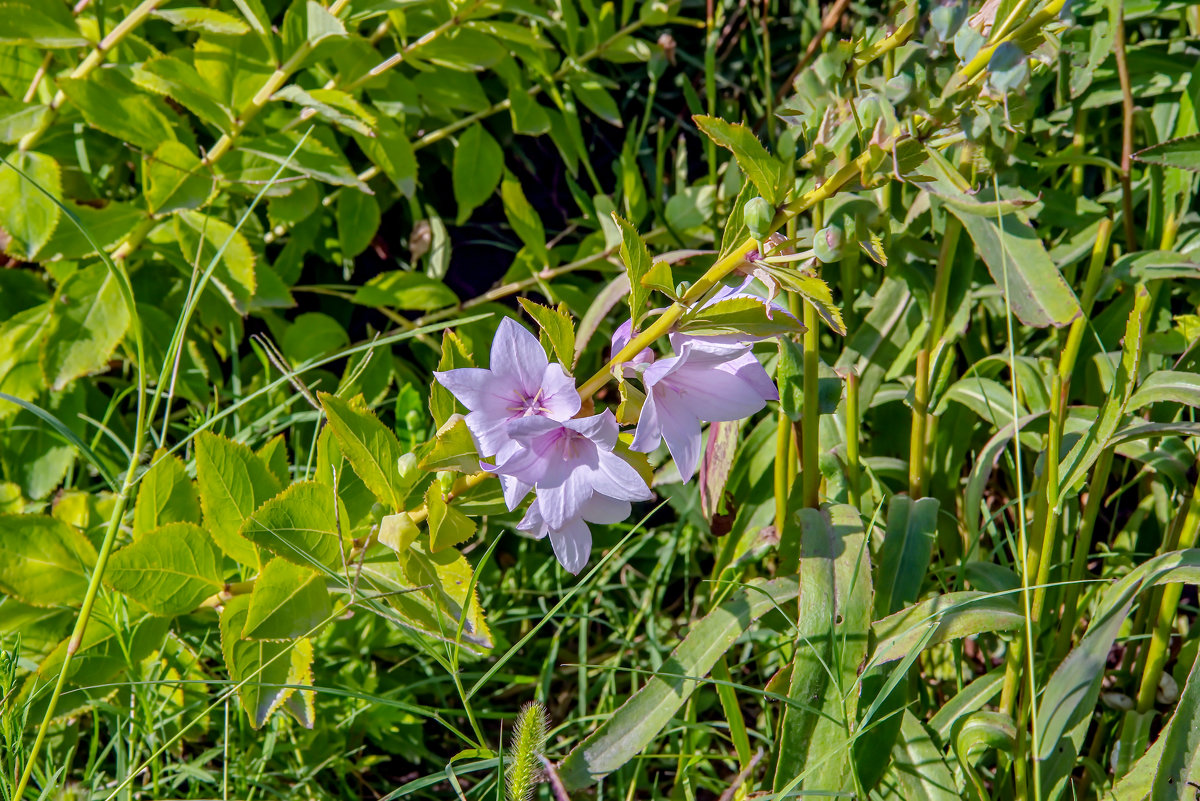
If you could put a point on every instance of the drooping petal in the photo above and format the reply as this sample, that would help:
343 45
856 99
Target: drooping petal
649 430
750 370
559 397
600 428
572 545
565 501
514 489
532 523
713 394
681 430
518 356
605 510
616 478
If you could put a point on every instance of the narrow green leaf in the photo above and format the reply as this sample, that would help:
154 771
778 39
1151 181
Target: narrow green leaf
169 570
1179 765
596 98
1166 386
1182 153
522 217
907 548
636 257
43 561
288 601
951 616
203 19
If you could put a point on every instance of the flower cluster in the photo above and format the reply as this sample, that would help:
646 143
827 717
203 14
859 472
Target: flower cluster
523 416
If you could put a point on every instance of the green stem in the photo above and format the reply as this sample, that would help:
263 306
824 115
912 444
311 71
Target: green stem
1126 131
916 443
1049 523
853 427
977 64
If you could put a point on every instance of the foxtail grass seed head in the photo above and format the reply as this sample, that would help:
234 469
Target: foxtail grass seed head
528 744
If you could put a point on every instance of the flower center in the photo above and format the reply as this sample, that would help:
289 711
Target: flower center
526 405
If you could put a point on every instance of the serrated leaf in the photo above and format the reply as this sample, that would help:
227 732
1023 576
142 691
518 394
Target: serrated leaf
298 525
266 668
626 732
87 321
39 24
453 449
27 217
636 258
763 170
233 483
43 561
454 355
558 327
371 448
275 457
739 316
478 166
446 578
661 278
201 237
1166 386
1182 153
406 290
169 570
165 495
816 292
203 19
174 179
288 601
17 119
112 103
447 526
180 81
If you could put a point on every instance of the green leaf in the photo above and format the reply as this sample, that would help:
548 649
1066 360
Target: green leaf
624 734
1182 153
558 327
39 24
263 670
18 119
453 449
312 335
165 495
1166 386
1179 765
171 77
298 525
904 557
27 216
174 179
391 151
87 321
202 237
275 457
986 397
402 289
478 166
447 526
288 601
111 102
169 570
20 374
763 170
398 531
313 158
521 216
1016 258
445 577
528 116
816 292
333 105
233 483
951 616
636 258
739 316
442 404
835 615
203 19
357 221
589 92
917 770
43 561
371 448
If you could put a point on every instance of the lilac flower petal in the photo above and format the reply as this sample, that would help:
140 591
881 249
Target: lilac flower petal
605 510
750 370
563 502
532 523
599 428
681 430
517 354
713 395
572 545
477 389
649 429
621 336
514 489
490 432
559 397
617 478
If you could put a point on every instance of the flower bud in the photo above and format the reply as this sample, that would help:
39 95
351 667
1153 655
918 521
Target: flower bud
758 215
827 244
446 480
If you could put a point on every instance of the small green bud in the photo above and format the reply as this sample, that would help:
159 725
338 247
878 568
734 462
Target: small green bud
446 480
827 244
758 215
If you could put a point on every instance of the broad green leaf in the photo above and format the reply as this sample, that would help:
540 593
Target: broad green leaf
831 643
478 166
624 734
106 225
17 119
87 321
814 291
462 49
1179 765
169 570
636 258
904 557
20 374
1017 259
333 105
174 78
298 525
764 171
445 577
174 179
371 448
1182 153
201 237
528 116
288 601
275 457
313 158
917 770
660 277
38 24
203 19
43 561
263 670
391 151
312 335
357 221
233 483
405 290
453 449
447 526
27 217
112 103
739 316
165 495
594 96
522 217
558 327
1166 386
951 616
